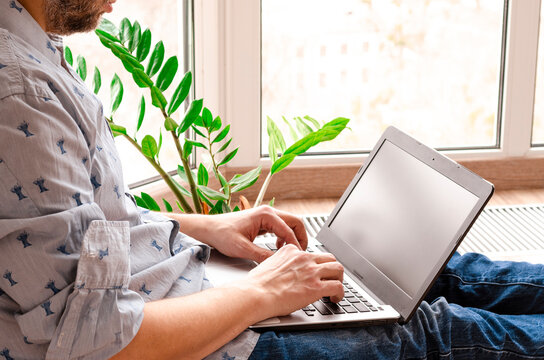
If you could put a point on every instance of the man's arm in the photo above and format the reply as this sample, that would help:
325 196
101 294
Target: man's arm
193 326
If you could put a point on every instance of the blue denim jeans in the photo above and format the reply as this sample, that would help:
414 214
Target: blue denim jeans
477 309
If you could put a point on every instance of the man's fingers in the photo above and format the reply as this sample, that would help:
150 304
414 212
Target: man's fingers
331 271
256 253
321 258
334 289
296 225
275 224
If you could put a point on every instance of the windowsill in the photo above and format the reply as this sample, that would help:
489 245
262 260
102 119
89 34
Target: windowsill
520 179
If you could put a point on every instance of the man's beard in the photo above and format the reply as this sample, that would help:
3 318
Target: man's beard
65 17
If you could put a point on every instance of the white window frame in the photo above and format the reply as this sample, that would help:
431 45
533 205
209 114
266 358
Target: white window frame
228 77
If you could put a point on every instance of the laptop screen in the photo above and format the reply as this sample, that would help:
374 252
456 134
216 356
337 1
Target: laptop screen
401 216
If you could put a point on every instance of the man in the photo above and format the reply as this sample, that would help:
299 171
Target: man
86 275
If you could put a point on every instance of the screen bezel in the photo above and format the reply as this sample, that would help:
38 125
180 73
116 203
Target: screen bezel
371 277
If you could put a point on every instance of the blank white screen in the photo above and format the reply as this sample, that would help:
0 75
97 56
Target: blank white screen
401 216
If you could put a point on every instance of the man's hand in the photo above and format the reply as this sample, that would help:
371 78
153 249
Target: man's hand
233 233
292 279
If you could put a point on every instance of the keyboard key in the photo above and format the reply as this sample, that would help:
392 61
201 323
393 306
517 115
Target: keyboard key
335 308
309 313
272 246
343 303
323 310
361 307
353 300
326 299
349 309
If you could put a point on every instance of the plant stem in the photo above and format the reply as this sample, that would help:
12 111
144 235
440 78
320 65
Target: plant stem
263 189
226 186
184 204
188 172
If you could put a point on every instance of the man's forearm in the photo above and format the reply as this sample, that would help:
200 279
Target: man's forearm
194 326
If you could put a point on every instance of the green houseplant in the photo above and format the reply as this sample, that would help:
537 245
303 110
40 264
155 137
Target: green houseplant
132 47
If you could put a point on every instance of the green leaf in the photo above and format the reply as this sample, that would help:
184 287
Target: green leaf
225 145
203 176
281 163
292 131
221 135
140 202
160 142
106 38
218 208
150 202
197 131
197 144
191 115
241 182
156 59
276 142
212 194
141 113
125 29
181 92
118 129
187 149
314 122
149 146
328 132
157 98
302 145
170 124
228 158
182 174
207 117
167 205
180 207
141 79
236 208
144 46
216 124
109 28
271 203
116 89
303 128
198 121
97 80
68 56
167 73
81 67
183 190
135 35
204 198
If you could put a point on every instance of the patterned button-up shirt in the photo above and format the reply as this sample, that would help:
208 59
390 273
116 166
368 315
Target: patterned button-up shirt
78 259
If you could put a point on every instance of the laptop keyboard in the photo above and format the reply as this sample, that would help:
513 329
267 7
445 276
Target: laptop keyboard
353 301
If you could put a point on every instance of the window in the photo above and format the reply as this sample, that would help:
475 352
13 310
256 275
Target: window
429 67
457 74
166 23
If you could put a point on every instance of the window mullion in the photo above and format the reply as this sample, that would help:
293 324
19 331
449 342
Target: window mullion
524 18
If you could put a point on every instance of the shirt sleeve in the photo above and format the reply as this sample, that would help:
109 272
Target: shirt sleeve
62 263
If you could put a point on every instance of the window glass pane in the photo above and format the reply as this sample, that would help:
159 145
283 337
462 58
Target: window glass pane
430 68
538 118
163 22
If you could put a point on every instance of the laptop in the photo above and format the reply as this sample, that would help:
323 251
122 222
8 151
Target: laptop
394 229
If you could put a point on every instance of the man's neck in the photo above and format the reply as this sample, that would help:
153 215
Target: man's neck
36 10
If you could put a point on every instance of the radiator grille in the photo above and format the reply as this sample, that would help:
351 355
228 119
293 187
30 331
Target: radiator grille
500 232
